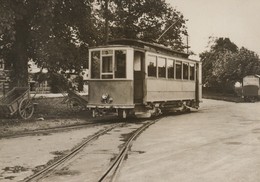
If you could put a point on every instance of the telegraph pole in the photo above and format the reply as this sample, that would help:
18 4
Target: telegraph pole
187 44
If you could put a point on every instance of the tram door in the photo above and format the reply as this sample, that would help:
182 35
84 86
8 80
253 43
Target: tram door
139 75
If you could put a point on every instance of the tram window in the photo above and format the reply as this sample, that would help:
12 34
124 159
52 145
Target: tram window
152 72
170 67
178 70
162 67
192 71
185 71
120 64
107 64
95 64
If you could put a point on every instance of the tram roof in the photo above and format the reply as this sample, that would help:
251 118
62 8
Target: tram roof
148 46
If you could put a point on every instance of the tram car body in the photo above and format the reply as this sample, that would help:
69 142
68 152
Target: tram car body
250 90
131 77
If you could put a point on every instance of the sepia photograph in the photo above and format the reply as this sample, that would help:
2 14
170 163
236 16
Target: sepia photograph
129 91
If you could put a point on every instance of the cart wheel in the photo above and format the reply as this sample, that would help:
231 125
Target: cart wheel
74 105
26 108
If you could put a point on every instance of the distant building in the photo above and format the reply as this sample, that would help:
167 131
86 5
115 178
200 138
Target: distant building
70 75
4 78
32 70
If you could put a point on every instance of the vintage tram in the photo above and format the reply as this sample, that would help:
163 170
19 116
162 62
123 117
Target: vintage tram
250 89
132 77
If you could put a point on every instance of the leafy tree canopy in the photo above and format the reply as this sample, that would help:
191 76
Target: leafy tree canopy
56 34
224 64
145 20
53 33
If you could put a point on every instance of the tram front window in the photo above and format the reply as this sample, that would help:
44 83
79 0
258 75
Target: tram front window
107 67
120 64
108 64
95 64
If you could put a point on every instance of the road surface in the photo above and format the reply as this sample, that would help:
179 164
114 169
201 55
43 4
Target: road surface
220 142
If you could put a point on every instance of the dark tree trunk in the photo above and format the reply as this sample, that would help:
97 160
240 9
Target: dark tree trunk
20 55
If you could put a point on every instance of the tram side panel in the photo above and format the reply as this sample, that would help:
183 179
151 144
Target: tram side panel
173 92
169 90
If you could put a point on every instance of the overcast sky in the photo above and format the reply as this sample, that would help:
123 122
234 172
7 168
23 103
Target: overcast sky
237 19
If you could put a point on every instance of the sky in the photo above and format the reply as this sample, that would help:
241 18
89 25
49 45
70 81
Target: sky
238 20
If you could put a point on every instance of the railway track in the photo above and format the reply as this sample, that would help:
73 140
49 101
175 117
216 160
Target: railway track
111 172
50 130
114 168
41 174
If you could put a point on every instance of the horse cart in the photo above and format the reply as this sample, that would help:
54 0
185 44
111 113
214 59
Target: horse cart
17 101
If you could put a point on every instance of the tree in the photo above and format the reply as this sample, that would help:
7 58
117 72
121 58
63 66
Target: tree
241 64
214 62
145 20
55 34
224 64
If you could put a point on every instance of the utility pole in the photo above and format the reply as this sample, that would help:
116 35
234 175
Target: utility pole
187 44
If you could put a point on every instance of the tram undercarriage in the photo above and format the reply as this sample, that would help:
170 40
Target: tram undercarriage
147 110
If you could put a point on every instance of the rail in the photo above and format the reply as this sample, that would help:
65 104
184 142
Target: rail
41 174
114 168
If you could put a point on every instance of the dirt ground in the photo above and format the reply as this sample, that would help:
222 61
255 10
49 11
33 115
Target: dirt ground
53 112
49 113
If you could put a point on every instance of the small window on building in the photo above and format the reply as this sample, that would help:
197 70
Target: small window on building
161 67
170 67
192 71
120 64
95 64
152 72
178 70
185 71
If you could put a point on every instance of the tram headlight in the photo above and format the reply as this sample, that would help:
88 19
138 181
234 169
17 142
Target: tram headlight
106 99
104 96
110 100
